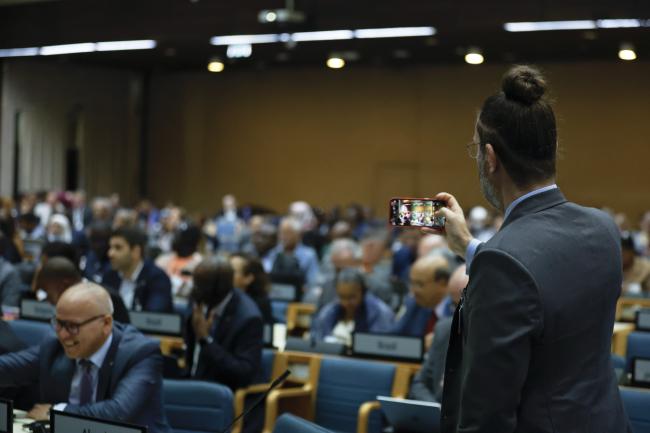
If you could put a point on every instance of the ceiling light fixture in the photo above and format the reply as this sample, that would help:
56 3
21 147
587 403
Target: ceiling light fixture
540 26
626 52
325 35
240 51
245 39
474 56
145 44
53 50
19 52
216 66
335 63
394 32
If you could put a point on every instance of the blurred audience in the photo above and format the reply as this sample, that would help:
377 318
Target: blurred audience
353 310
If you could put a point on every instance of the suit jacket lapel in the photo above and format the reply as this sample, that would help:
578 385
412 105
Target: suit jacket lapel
536 203
106 369
222 330
62 371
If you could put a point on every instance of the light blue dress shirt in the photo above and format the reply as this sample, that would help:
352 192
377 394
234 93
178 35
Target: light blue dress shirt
474 243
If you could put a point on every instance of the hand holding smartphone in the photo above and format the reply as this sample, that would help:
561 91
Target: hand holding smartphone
415 212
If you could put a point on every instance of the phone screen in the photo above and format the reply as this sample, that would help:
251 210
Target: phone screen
415 212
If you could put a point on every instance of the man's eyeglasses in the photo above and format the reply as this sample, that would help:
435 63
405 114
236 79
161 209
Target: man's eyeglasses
72 327
472 149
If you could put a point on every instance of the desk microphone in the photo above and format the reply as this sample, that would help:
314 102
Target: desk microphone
259 399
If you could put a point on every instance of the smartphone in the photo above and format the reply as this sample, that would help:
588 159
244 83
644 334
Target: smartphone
415 212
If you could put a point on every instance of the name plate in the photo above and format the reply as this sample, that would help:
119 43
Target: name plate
641 372
268 335
6 411
62 422
643 320
31 309
387 346
157 323
282 292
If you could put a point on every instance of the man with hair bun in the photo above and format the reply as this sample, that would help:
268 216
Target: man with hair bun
530 340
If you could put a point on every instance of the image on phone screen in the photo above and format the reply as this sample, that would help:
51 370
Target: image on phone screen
415 212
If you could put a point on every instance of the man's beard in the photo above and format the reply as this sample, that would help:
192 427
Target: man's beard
489 191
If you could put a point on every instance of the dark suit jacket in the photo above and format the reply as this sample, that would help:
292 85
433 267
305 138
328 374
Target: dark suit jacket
9 342
130 379
427 383
530 342
234 357
153 291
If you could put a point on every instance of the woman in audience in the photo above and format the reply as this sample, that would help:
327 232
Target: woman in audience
179 263
354 310
249 276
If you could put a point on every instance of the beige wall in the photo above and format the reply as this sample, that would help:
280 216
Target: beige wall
46 93
364 134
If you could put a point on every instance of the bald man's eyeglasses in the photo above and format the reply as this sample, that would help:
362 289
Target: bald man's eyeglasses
72 327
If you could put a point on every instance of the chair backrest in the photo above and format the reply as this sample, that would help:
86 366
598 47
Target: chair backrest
638 346
637 405
266 368
345 384
618 362
31 332
288 423
194 406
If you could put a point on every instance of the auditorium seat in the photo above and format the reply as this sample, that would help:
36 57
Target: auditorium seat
618 362
638 346
197 407
336 391
637 407
288 423
273 365
31 332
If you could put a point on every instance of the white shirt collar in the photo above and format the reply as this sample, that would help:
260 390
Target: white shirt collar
135 274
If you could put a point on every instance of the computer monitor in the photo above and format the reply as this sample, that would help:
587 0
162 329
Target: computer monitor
64 422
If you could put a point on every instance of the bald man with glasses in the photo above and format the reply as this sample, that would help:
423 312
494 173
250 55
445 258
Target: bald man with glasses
94 366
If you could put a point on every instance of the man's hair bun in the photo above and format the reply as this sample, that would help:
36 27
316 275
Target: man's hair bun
523 84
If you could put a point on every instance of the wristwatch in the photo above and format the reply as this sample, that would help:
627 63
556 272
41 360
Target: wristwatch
205 340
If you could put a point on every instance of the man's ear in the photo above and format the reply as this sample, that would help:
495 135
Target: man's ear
491 159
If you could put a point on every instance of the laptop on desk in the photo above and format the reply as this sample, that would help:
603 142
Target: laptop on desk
411 416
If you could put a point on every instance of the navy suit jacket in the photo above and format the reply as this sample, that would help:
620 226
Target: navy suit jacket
234 357
530 341
130 379
153 291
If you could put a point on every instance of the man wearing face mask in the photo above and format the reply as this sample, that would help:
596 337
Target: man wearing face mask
225 336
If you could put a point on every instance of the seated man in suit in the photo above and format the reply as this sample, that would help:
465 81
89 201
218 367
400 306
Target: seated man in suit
59 273
225 337
97 368
427 383
141 284
429 276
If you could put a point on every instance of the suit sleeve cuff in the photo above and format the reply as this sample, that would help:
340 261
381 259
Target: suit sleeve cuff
470 252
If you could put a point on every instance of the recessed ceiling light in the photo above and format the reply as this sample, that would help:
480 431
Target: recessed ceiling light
626 52
335 63
216 66
474 56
